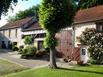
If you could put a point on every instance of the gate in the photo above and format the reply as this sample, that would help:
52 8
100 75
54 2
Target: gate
65 48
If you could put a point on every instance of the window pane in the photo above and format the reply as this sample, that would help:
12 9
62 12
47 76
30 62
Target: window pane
100 27
16 32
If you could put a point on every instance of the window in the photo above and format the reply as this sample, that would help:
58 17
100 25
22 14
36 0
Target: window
99 27
9 32
16 32
40 45
83 51
42 35
3 44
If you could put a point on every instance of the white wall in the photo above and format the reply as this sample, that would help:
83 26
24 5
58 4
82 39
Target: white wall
12 38
79 28
33 32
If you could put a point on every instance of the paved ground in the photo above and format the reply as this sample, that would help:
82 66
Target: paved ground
30 63
15 58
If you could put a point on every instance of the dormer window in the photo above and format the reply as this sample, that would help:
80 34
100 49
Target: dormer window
99 27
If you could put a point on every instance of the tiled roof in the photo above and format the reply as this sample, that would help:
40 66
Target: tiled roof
86 15
16 24
33 26
90 14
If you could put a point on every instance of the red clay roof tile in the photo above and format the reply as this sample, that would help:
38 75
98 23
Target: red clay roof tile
86 15
90 14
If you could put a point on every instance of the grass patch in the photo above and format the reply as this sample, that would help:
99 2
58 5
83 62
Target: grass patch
80 71
7 67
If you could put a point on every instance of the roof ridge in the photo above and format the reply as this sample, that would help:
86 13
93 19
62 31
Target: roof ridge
17 23
91 7
89 14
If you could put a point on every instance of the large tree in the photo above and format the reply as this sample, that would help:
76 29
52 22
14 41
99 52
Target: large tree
55 15
82 4
26 13
5 5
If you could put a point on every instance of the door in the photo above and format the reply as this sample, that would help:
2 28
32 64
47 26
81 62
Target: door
40 45
3 45
64 47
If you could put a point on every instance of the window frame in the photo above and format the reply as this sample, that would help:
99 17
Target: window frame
16 33
98 25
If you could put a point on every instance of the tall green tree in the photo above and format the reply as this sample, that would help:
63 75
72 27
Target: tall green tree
55 15
5 5
82 4
26 13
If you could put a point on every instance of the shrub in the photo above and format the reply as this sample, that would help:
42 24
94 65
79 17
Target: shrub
28 51
28 40
14 46
95 42
20 50
47 50
14 43
86 35
10 46
40 53
92 61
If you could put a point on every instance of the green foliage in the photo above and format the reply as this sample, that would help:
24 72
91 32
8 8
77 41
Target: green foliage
92 61
78 71
28 40
41 53
95 42
96 48
82 4
50 41
26 13
14 46
28 51
20 49
55 15
7 67
5 5
86 36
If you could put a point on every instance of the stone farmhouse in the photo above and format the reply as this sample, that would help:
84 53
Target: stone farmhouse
68 43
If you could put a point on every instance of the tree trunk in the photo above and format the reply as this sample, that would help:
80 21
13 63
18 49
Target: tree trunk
53 58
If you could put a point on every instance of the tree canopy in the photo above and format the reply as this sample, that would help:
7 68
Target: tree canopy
54 16
82 4
28 40
5 5
33 11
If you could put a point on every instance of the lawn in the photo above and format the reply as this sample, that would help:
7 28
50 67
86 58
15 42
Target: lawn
79 71
8 67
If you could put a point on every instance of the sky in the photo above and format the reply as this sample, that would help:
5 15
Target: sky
21 5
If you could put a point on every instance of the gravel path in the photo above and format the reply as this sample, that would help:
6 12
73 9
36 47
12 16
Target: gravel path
15 58
31 63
